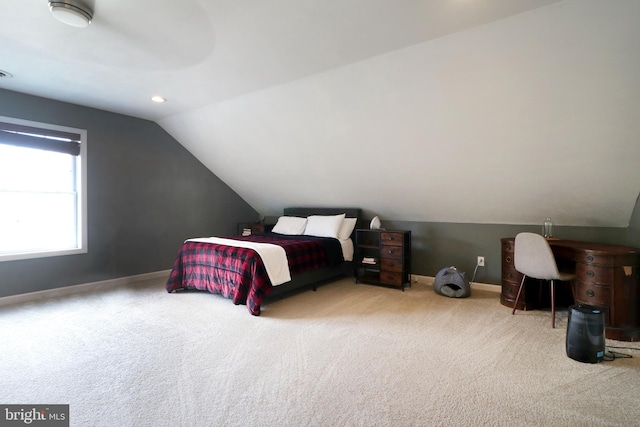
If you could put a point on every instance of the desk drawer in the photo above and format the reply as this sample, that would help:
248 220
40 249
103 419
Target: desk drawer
592 294
588 257
594 274
511 274
508 245
510 290
507 259
529 298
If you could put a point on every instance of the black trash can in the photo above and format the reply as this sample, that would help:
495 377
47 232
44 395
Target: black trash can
585 333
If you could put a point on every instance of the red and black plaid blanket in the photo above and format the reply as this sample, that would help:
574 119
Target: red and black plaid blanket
239 273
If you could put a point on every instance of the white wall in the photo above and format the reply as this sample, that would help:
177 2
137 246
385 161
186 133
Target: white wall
531 116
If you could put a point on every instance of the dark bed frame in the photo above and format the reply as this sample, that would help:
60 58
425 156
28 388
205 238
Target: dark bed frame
312 279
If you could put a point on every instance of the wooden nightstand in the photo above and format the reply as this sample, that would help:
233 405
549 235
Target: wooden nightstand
383 257
255 228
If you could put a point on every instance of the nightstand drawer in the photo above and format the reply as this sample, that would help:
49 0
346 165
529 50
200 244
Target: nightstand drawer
391 252
257 228
391 264
390 238
391 278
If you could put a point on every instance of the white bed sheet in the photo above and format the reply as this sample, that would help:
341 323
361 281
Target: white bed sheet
347 249
273 256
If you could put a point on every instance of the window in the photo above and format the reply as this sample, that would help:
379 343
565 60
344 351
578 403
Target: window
42 190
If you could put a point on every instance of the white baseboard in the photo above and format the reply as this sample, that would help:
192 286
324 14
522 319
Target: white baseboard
474 285
82 288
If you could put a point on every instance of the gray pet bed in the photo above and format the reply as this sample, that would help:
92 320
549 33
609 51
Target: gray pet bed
450 282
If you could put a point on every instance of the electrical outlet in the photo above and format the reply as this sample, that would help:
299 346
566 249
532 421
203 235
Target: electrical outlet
480 261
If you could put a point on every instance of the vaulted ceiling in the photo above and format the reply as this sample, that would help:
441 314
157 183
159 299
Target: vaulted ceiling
492 111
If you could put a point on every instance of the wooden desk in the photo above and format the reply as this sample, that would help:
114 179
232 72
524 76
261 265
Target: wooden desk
607 276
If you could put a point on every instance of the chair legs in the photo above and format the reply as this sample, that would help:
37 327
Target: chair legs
553 300
515 304
553 303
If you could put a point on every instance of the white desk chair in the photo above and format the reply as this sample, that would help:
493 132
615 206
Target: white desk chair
533 257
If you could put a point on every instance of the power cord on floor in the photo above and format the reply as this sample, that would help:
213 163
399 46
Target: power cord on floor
610 355
474 274
613 355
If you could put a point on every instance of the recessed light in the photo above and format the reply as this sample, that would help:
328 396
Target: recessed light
158 98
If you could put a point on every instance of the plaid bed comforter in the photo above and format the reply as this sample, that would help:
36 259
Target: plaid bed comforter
239 273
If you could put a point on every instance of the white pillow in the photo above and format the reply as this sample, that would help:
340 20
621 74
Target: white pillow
291 225
347 228
324 225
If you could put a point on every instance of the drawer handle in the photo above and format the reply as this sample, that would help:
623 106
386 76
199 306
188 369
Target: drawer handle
509 290
590 273
508 259
590 293
390 251
509 275
590 258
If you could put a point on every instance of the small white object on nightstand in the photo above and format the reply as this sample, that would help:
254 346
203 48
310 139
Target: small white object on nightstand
375 223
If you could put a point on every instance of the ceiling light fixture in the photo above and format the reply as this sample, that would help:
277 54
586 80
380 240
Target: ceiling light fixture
158 98
71 12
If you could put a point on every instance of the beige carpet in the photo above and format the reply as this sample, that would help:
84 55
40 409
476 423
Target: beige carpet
346 355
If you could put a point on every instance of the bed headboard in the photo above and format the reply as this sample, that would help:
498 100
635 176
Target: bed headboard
305 212
349 213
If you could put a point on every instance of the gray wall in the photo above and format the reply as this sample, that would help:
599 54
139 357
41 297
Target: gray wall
146 195
436 245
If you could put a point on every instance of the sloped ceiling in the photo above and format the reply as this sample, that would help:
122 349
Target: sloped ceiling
493 111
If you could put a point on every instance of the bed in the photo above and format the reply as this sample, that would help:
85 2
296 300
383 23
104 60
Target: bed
238 268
